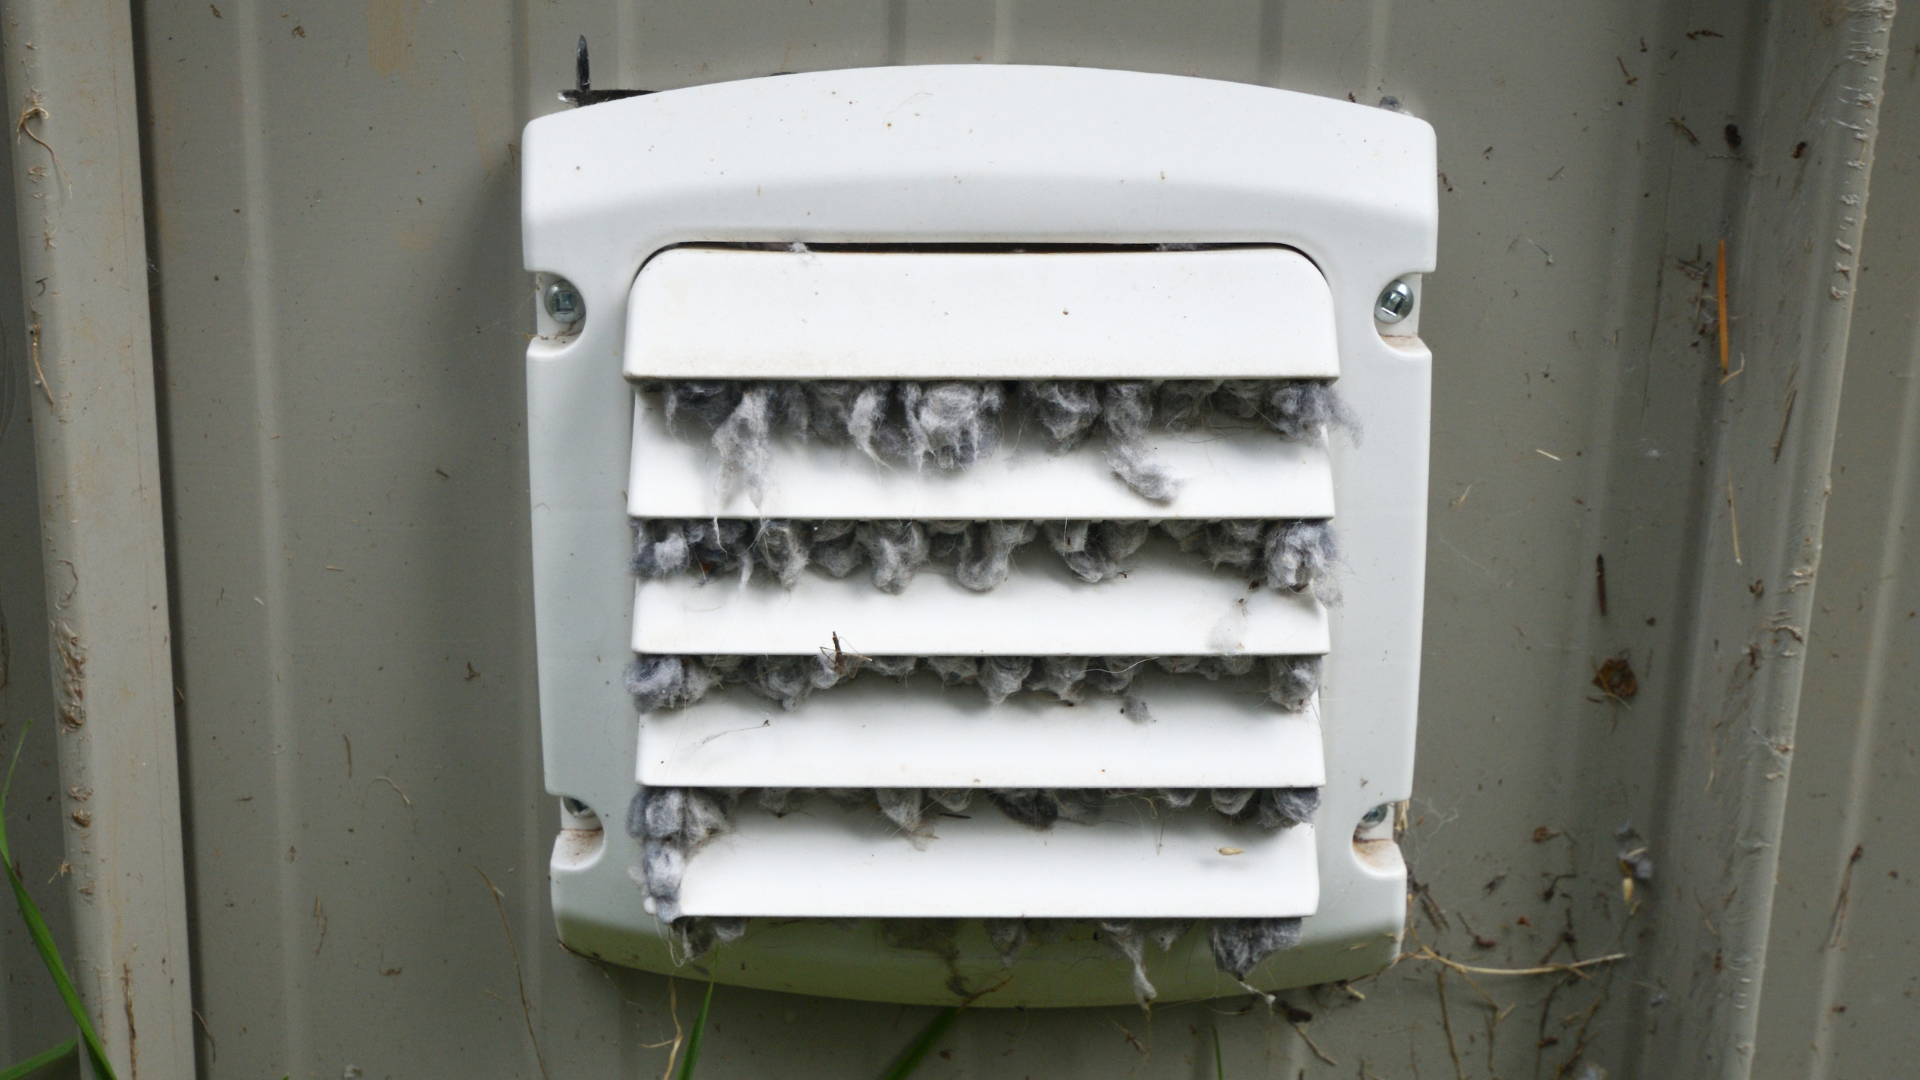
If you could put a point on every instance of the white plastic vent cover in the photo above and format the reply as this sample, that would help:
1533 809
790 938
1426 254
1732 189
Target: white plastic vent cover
983 224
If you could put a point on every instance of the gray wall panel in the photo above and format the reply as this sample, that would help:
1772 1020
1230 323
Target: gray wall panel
1842 991
32 1017
342 318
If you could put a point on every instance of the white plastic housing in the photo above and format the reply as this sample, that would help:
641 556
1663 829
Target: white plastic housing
1015 158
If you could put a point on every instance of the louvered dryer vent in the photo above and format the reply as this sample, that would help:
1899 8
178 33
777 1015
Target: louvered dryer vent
969 566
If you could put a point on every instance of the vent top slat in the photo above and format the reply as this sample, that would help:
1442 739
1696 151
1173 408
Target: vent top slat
729 313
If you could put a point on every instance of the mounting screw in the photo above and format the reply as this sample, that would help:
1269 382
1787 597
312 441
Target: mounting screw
563 302
1395 303
1375 816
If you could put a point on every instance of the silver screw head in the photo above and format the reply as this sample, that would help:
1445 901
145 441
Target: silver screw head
563 302
1374 816
1395 303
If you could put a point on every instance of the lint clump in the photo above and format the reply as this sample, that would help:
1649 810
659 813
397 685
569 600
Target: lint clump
1069 412
1293 408
950 425
672 824
1291 556
1239 945
1294 556
671 682
696 936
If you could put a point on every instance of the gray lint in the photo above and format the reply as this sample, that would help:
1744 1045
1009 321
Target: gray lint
673 682
1127 410
959 423
667 682
1292 680
955 670
1095 550
1278 808
672 824
1007 936
952 424
1230 801
698 936
708 402
1289 556
1185 404
780 801
1129 944
1240 944
880 423
902 806
1211 668
1002 676
834 548
897 550
1296 409
1060 676
1128 938
1034 809
977 552
1083 806
952 800
1065 411
1299 558
781 546
1113 674
1166 932
744 443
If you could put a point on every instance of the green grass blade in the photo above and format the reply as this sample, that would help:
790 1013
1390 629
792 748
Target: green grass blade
1219 1065
917 1050
40 1061
42 937
693 1040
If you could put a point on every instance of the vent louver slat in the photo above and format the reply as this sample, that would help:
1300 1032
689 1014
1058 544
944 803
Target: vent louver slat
879 733
835 863
1180 608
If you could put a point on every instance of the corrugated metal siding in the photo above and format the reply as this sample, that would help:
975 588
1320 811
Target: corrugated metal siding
31 1015
1842 986
340 319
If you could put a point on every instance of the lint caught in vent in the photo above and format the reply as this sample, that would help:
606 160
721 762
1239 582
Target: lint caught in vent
978 543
